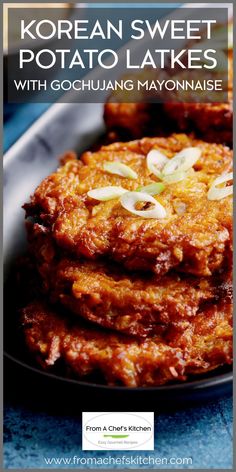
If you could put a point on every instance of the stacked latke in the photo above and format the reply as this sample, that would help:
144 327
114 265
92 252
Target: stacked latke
212 122
133 247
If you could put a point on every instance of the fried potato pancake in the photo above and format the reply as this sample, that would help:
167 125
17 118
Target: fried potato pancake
125 121
195 240
212 122
55 339
104 294
136 306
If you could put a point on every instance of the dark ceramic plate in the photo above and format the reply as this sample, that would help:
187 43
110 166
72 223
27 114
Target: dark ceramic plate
34 156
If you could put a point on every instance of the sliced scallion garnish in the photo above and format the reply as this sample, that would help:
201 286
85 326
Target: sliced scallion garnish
152 189
118 168
106 193
175 177
217 193
182 161
155 162
130 199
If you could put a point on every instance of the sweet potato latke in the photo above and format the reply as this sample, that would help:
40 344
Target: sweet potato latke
106 295
136 301
54 339
212 122
194 242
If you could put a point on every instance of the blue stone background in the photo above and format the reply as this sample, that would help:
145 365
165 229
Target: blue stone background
42 418
203 433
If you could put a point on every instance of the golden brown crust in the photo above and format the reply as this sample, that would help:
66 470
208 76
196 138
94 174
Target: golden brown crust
195 242
104 294
204 344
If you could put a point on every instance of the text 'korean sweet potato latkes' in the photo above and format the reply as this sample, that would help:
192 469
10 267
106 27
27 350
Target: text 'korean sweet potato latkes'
194 237
56 339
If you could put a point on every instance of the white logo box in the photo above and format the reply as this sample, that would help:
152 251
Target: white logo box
118 431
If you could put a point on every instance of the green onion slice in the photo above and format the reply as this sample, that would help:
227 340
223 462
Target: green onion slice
118 168
175 177
155 162
217 193
182 161
106 193
152 189
129 200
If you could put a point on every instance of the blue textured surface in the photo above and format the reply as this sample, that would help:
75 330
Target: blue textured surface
202 433
18 118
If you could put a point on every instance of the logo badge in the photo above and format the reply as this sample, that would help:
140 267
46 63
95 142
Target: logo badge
118 431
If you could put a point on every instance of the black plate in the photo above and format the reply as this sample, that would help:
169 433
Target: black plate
35 155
